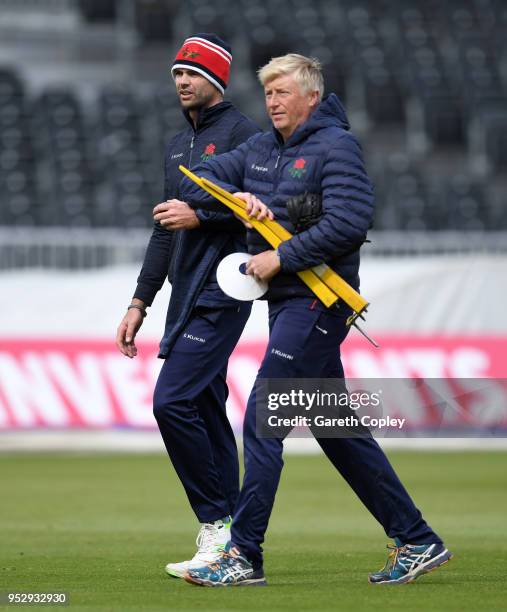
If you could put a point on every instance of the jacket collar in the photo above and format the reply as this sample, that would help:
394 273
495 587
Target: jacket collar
209 115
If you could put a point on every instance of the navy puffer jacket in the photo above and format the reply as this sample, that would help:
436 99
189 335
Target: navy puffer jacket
321 156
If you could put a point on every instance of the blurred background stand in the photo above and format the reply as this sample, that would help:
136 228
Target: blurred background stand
87 104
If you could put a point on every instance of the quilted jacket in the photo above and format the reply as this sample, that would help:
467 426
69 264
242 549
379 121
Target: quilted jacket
321 156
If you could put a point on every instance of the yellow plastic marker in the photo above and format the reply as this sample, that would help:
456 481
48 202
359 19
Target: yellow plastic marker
321 290
327 285
333 280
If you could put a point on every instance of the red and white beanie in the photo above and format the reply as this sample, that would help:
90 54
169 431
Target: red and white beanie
208 55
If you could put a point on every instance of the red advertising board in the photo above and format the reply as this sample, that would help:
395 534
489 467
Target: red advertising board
78 383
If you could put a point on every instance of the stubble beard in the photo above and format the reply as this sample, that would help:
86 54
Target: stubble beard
200 101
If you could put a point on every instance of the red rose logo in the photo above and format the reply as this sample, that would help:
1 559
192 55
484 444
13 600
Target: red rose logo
298 168
209 152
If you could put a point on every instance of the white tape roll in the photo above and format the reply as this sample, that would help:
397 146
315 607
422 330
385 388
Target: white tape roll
236 284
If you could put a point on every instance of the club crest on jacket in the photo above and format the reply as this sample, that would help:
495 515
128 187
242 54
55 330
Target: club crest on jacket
298 168
209 152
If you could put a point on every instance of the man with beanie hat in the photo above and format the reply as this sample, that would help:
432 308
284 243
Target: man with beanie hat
207 55
203 324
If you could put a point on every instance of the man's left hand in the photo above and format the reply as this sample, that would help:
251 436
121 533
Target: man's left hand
254 208
175 215
264 265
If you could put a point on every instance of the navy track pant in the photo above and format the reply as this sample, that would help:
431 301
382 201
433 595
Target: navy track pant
304 343
189 406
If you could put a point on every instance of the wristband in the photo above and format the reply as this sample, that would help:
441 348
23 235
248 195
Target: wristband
141 309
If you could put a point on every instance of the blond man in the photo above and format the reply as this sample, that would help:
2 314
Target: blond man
310 150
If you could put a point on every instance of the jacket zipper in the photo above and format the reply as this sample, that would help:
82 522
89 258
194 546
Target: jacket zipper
191 149
277 176
176 236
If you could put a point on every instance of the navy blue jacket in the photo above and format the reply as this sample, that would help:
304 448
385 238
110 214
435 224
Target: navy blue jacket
321 156
190 257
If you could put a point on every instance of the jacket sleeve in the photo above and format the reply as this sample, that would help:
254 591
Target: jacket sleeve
155 265
226 170
347 205
223 219
219 221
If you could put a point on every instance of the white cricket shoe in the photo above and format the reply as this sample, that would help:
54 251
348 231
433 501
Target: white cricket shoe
211 541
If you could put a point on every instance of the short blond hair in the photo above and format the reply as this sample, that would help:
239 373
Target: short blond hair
306 71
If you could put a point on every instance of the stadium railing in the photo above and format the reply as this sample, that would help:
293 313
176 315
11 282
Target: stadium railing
82 248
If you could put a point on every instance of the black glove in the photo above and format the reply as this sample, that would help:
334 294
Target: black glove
304 210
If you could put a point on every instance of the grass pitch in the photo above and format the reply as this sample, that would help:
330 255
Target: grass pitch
102 529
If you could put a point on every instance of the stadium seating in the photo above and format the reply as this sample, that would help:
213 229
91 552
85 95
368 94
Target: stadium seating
428 74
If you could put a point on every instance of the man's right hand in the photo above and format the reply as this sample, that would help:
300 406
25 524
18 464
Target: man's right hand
127 330
175 214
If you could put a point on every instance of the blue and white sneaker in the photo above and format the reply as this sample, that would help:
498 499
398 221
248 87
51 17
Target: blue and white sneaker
211 541
231 569
408 562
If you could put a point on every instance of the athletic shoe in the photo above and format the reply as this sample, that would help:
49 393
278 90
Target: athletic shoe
408 562
211 541
232 569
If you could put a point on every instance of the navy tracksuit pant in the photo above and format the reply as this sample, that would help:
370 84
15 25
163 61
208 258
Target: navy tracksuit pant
305 342
189 406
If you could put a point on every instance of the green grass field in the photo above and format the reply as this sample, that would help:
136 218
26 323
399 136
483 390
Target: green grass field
102 527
